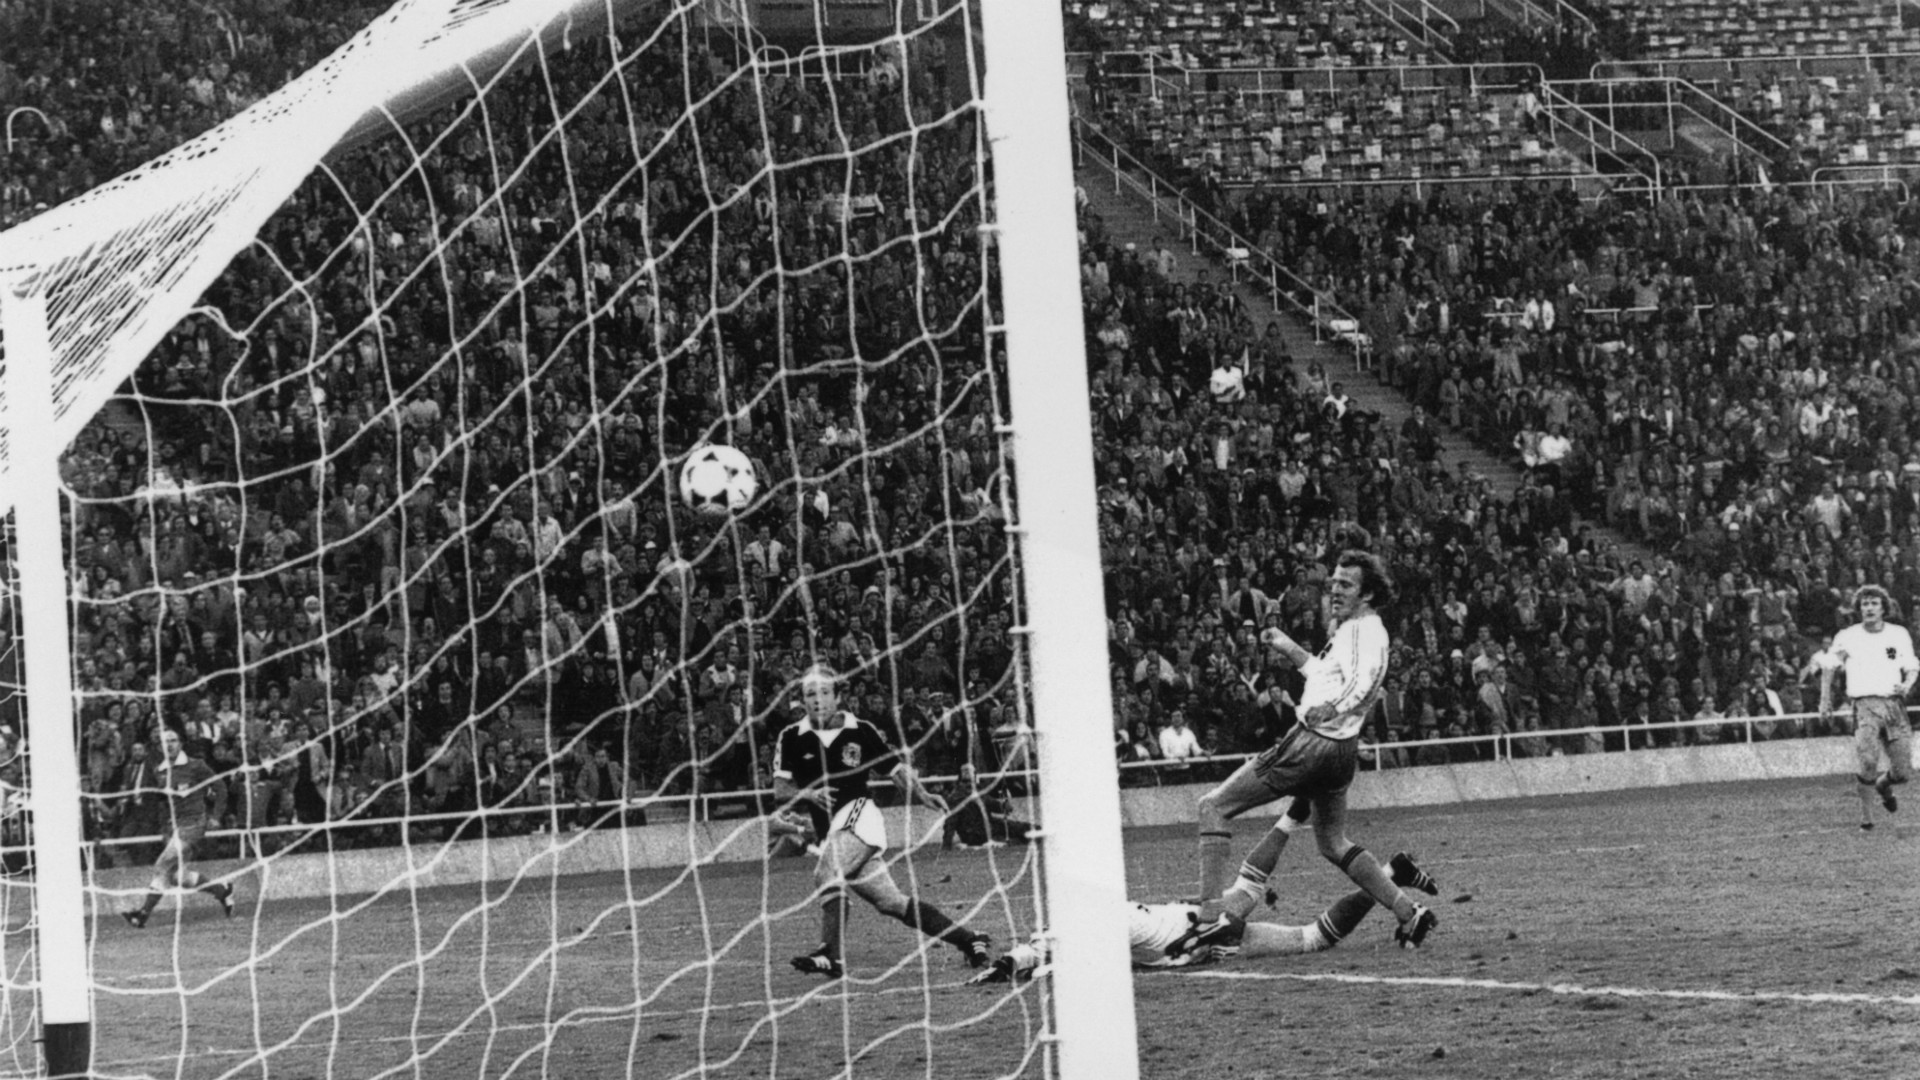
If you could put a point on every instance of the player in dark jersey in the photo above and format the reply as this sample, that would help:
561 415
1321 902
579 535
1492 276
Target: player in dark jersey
190 785
824 762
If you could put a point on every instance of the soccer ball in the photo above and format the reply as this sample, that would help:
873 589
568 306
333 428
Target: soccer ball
718 480
1227 385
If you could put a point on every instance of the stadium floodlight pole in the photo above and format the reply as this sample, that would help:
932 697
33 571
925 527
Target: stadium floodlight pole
53 759
1085 874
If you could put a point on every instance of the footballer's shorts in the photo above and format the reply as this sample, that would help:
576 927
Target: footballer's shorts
1882 722
1308 765
850 855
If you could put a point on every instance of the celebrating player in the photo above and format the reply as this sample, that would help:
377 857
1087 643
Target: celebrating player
825 761
190 786
1172 935
1878 659
1315 761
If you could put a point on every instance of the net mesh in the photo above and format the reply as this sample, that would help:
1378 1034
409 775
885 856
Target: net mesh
387 529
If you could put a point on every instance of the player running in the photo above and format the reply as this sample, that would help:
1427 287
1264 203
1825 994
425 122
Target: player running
1315 761
825 761
190 786
1879 661
1172 935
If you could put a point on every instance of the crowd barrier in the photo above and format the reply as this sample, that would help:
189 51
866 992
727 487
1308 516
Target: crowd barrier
696 840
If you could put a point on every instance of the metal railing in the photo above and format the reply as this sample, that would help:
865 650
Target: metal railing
1677 97
1830 185
1266 80
1156 73
1420 20
1589 185
1284 287
1557 13
1876 172
1714 67
1376 756
1578 122
561 816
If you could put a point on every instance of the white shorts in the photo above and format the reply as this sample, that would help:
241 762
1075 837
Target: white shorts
861 818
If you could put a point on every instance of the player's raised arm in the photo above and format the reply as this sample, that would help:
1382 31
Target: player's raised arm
1277 639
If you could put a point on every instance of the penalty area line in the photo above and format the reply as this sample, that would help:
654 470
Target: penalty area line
1568 989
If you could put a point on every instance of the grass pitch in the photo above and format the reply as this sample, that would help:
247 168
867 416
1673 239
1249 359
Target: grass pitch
1728 930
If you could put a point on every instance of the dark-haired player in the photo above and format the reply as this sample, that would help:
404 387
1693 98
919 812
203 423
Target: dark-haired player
190 785
825 761
1879 661
1316 759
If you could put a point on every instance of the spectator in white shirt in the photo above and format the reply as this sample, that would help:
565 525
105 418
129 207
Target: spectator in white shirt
1177 740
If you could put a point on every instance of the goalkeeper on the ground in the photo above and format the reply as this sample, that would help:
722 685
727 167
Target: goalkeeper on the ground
1172 935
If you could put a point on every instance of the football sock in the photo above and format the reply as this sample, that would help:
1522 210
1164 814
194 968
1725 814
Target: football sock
1339 920
1213 863
1366 872
1867 797
1242 896
1246 893
152 901
933 922
833 921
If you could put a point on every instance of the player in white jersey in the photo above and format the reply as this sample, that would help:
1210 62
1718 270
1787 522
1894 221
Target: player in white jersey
1173 935
1315 761
1879 662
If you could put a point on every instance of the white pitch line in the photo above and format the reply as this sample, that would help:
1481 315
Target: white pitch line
1569 989
644 1016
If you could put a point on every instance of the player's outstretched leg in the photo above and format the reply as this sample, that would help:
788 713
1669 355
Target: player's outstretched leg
1251 888
1237 794
1329 828
1334 924
877 887
222 893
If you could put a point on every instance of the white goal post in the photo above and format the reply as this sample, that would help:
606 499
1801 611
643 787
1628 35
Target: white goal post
117 270
1060 548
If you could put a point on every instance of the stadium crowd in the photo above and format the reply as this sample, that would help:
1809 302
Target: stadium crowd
367 571
1725 376
430 559
91 88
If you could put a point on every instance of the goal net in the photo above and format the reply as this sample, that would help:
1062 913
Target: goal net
374 402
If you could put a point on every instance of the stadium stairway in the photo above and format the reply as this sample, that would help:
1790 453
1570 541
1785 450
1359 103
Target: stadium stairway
1130 219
